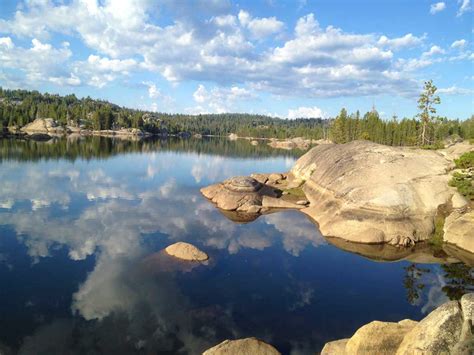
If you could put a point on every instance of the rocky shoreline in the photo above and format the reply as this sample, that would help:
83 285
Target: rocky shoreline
446 330
47 128
363 192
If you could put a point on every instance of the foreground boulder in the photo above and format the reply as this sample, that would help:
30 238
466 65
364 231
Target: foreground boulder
370 193
379 337
186 251
247 346
446 330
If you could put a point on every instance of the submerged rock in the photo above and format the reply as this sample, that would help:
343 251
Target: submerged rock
186 251
446 330
247 346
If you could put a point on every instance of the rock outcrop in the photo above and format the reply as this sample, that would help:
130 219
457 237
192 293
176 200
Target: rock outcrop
44 126
459 229
186 251
250 194
379 337
362 192
369 193
247 346
446 330
292 143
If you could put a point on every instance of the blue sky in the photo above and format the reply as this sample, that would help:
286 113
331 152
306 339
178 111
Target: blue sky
285 58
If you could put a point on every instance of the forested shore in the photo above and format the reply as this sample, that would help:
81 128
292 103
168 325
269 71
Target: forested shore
20 107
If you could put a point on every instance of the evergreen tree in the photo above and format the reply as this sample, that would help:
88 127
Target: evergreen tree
426 102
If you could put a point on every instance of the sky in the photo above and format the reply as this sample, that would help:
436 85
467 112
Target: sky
281 58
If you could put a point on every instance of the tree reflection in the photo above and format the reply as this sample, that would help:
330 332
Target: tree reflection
413 282
459 280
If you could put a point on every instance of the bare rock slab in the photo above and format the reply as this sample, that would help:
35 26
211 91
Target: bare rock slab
247 346
377 337
459 230
370 193
336 347
438 333
186 251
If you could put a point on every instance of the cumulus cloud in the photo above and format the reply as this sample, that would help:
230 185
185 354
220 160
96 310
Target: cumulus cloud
41 62
306 112
437 7
459 43
220 99
260 27
433 51
217 47
407 41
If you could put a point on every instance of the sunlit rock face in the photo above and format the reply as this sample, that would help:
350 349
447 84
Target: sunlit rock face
446 330
242 346
370 193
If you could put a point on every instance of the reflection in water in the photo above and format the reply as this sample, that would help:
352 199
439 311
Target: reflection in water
85 237
412 282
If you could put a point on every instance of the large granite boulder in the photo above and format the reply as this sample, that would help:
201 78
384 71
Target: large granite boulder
438 333
459 230
247 346
370 193
45 126
379 337
446 330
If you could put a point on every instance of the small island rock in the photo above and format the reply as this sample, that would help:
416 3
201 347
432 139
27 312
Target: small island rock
186 251
247 346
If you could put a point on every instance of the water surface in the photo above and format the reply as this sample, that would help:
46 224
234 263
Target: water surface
83 223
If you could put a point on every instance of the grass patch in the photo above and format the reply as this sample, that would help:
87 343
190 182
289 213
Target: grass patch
436 240
296 191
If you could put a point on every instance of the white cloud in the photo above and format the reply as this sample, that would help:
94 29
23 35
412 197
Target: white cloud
465 7
306 112
40 63
434 50
260 27
219 99
223 49
454 90
407 41
459 43
437 7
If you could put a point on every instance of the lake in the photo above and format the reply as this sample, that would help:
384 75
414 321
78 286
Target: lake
83 224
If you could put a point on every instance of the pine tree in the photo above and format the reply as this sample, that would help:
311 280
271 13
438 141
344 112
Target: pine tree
427 99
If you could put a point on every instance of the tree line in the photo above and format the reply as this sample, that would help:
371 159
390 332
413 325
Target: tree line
20 107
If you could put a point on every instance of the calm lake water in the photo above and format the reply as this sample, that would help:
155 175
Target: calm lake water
82 225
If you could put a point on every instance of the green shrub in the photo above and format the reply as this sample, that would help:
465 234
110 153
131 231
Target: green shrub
437 145
463 182
465 161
